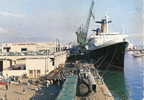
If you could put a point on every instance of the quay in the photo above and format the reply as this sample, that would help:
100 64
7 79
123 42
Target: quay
102 93
69 90
47 75
27 92
17 92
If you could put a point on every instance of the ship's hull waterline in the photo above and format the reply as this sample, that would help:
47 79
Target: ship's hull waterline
110 57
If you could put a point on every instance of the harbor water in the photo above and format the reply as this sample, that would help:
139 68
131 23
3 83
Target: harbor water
134 73
127 85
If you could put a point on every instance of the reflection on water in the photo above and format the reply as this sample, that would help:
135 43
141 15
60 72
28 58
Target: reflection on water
116 84
134 68
130 83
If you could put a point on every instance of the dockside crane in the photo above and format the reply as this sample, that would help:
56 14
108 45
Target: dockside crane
83 30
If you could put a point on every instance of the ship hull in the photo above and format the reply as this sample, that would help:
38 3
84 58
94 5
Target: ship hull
110 57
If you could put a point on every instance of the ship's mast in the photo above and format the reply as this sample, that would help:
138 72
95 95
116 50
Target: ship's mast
107 24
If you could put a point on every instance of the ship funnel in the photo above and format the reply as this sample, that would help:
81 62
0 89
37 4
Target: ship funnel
104 24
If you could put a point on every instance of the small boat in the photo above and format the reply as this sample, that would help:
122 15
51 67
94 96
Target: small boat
139 53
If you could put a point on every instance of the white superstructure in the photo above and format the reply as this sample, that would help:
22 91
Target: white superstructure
103 37
95 41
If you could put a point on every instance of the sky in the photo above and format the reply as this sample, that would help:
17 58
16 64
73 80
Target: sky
48 20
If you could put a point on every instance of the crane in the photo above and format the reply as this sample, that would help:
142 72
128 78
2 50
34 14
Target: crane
83 30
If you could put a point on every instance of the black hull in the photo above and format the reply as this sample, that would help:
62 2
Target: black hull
107 57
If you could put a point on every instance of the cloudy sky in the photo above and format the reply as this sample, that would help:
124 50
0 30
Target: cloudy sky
46 20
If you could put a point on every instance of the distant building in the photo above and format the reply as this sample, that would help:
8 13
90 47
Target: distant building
31 47
31 59
37 67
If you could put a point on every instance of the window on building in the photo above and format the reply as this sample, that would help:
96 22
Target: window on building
23 49
30 71
38 71
7 49
53 61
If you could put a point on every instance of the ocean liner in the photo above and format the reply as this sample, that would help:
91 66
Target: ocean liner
104 49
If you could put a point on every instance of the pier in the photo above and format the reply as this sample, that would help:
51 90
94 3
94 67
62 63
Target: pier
50 76
17 92
69 88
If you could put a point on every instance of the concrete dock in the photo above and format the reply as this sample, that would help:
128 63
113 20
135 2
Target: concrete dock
17 92
102 93
37 92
